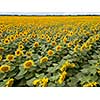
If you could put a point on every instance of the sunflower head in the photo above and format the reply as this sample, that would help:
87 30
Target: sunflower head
62 77
6 41
43 59
58 48
10 82
36 44
18 52
24 40
50 52
29 54
44 82
12 38
42 36
4 68
0 57
48 39
10 57
36 82
53 43
28 64
64 39
1 49
70 44
20 47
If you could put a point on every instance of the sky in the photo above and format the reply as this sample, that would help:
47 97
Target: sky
60 7
49 13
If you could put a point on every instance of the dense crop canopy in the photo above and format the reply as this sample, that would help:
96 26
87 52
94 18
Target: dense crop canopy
47 51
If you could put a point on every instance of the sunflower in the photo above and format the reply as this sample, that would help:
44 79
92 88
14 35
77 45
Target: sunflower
48 39
20 47
20 34
36 82
42 36
6 41
4 68
18 52
50 52
1 49
29 54
83 47
12 38
10 82
36 44
0 57
44 82
62 77
53 43
76 48
70 44
24 39
28 64
58 48
10 57
43 59
64 39
16 35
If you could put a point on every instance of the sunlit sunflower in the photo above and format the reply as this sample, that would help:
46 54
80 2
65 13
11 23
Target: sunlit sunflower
70 44
42 36
43 59
44 82
4 68
10 82
0 57
20 46
64 39
16 35
53 43
18 52
36 44
50 52
24 39
10 57
12 38
6 41
36 82
1 49
28 64
58 48
29 54
62 77
48 40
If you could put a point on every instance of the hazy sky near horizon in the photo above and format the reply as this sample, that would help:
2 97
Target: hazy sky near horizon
61 6
49 13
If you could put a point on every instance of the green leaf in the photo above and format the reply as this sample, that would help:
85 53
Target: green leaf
92 61
39 75
29 75
54 78
73 82
21 73
2 76
29 82
85 71
67 57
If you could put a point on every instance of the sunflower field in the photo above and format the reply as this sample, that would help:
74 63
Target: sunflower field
49 51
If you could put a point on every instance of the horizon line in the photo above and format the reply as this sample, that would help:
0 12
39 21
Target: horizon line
49 13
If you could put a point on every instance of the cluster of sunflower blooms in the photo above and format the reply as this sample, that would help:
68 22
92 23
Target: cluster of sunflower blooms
40 82
32 50
89 42
63 69
91 84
